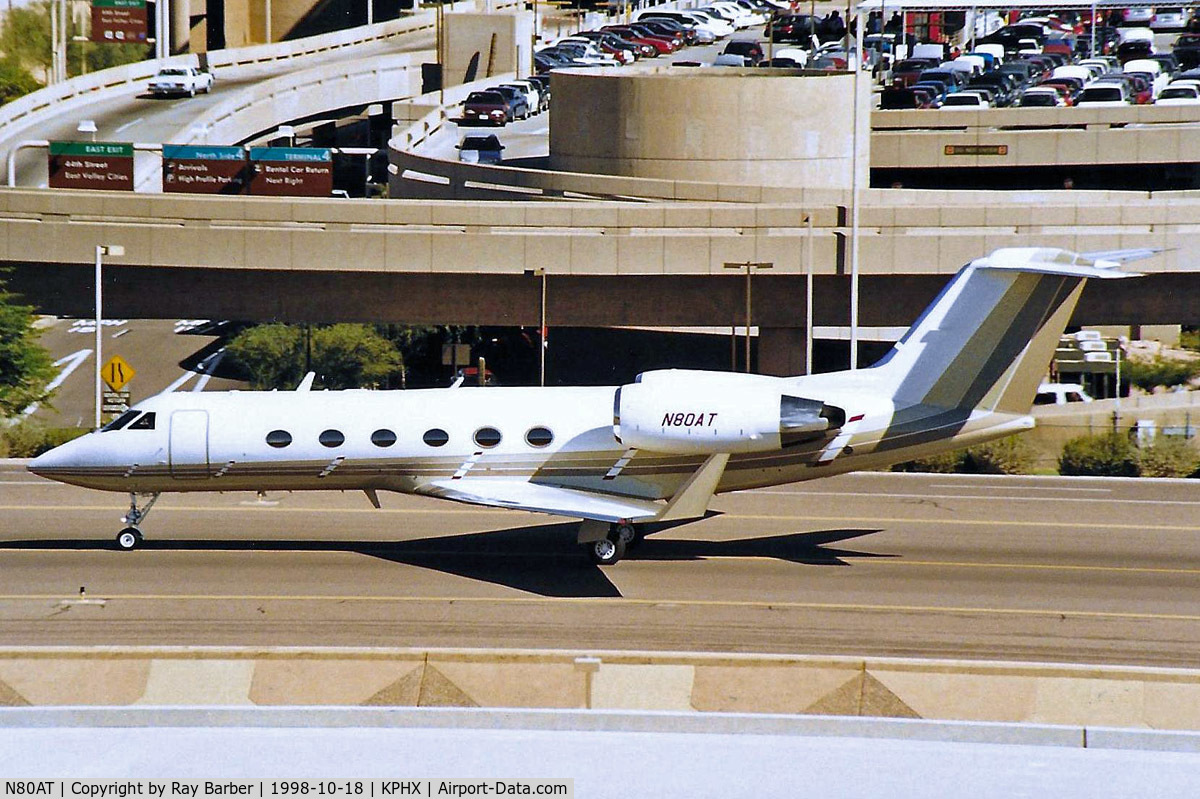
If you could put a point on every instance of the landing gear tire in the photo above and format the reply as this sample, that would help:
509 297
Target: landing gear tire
606 551
630 536
129 539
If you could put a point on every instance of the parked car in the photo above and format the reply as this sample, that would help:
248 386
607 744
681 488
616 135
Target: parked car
181 80
480 149
1104 95
1060 394
1139 16
965 101
532 94
1040 97
908 71
1171 18
1181 94
485 108
752 50
515 103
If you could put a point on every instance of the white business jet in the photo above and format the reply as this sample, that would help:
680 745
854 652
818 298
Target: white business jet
617 457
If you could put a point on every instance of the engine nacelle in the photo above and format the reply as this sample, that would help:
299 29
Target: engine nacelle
686 412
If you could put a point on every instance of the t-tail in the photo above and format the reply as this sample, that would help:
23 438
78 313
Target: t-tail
986 342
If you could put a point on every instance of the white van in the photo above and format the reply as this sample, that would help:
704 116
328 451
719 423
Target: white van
996 51
1060 394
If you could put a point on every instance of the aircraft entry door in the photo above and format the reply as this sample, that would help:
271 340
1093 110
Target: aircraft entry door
189 444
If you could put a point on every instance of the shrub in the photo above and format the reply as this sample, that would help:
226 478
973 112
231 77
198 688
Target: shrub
943 463
1106 454
1168 456
1012 455
28 439
1160 371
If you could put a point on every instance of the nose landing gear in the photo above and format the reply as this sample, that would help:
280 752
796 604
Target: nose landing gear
131 536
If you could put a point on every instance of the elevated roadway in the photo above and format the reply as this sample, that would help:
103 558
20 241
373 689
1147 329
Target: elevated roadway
1092 571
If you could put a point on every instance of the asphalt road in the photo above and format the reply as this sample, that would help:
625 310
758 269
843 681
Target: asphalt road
140 117
165 354
1042 569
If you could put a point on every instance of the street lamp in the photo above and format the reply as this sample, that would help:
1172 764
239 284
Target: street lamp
542 331
87 126
749 267
116 251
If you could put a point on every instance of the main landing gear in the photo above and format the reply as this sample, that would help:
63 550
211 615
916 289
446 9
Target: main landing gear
621 537
131 536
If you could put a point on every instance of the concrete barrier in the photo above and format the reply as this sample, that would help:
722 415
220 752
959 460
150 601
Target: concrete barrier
1027 693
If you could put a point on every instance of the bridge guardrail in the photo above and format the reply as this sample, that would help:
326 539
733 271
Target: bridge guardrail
28 111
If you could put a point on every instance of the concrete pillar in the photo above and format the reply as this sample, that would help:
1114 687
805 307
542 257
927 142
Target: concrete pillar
781 351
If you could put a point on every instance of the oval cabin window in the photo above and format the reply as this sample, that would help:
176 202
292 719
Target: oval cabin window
279 438
332 438
487 437
383 438
539 437
435 437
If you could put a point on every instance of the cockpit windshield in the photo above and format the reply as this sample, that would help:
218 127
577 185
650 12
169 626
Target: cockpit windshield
146 422
120 421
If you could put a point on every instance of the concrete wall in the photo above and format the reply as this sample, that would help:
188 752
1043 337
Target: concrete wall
1144 134
502 43
786 128
1153 698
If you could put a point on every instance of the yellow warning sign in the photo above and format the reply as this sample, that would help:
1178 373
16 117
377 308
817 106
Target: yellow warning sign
117 372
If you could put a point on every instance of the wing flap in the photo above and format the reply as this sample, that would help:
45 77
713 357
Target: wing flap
502 492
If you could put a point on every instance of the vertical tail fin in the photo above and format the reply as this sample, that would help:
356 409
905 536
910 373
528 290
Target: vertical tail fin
987 340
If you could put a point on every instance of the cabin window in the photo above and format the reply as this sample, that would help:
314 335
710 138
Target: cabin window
383 438
331 438
435 437
539 437
487 437
145 423
120 421
279 438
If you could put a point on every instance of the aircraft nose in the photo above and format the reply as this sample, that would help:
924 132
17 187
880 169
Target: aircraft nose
60 457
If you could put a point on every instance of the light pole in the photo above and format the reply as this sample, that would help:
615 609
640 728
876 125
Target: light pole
808 302
116 251
543 333
749 267
856 65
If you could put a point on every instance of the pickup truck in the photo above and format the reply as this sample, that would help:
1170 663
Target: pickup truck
181 80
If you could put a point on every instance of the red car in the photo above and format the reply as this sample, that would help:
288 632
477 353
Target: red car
662 45
485 108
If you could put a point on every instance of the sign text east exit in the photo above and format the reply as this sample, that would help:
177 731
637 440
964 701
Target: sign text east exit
91 165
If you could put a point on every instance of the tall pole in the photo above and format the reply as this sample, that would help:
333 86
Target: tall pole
854 208
53 41
99 305
267 13
542 335
808 310
1092 51
748 268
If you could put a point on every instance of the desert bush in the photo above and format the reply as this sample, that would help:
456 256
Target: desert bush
1105 454
1168 456
1012 455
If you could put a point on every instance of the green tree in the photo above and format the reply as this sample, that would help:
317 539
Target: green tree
26 35
1168 456
1106 455
25 366
342 355
272 355
353 356
15 80
1160 371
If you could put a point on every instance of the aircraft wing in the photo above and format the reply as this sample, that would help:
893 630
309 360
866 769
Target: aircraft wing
517 494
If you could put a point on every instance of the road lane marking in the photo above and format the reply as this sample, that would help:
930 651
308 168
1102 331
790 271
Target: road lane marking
988 497
724 515
1029 488
625 602
128 125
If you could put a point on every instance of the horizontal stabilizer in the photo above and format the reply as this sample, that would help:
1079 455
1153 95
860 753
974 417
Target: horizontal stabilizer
504 492
1052 261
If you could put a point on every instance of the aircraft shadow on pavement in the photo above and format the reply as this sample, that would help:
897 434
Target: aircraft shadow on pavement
541 559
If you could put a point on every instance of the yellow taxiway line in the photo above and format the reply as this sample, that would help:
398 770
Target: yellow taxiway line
624 602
